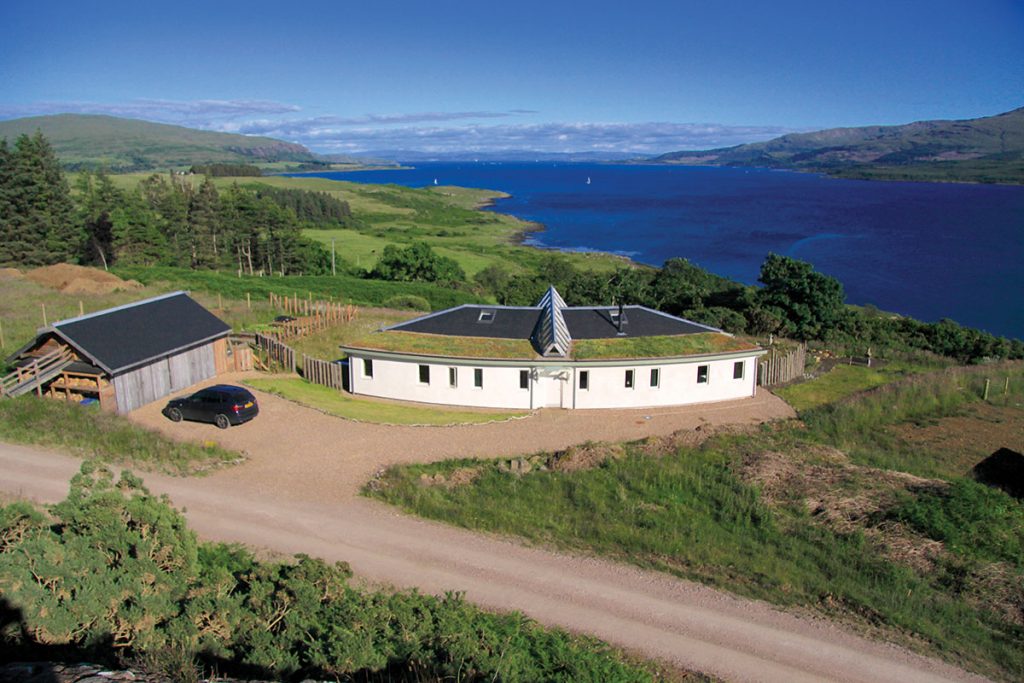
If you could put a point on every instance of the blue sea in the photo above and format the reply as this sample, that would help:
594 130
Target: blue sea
928 250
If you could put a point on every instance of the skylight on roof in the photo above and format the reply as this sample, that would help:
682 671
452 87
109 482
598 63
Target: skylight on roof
486 316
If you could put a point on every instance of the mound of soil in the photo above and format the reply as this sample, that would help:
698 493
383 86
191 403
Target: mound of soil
10 274
71 279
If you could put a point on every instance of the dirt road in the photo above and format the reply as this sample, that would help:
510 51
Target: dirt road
652 614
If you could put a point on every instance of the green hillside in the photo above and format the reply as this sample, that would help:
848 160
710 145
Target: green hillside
88 141
989 149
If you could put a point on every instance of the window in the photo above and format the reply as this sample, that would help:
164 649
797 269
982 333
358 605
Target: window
702 374
584 379
737 370
486 317
655 378
453 377
424 374
368 367
629 379
478 378
524 379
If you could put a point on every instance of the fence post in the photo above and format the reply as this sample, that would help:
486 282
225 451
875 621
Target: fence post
985 396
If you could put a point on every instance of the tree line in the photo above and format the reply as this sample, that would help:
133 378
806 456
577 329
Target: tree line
165 220
795 301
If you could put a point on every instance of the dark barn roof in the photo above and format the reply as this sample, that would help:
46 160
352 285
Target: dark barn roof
119 339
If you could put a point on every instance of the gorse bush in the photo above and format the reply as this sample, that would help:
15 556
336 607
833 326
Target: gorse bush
113 568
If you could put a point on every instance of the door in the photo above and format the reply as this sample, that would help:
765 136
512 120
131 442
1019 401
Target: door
551 385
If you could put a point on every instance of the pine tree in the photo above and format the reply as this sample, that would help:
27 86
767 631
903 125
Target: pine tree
38 225
204 217
97 198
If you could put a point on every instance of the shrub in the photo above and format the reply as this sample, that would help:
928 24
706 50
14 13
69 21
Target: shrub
409 302
114 566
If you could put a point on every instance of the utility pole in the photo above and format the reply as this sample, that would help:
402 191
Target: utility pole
333 271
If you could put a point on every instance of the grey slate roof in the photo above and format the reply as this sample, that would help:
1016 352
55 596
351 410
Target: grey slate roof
118 339
550 325
505 322
638 321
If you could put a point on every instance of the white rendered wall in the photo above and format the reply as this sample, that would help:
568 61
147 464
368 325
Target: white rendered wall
554 386
400 380
677 385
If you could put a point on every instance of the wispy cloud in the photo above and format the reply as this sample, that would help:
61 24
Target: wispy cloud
310 126
632 138
430 132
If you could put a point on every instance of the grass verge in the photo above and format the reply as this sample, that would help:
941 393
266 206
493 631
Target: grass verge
344 405
697 514
862 424
843 381
87 432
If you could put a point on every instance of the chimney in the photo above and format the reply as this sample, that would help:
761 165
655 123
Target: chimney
618 324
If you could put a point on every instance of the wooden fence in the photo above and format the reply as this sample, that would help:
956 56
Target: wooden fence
310 316
323 372
779 368
276 351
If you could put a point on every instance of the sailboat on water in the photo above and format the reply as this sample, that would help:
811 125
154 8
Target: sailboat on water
588 180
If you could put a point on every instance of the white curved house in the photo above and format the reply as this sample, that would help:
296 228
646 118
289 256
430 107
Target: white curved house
553 356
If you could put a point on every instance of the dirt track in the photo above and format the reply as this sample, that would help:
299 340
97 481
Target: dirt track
304 501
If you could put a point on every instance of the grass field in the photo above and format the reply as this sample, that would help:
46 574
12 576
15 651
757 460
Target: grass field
447 218
698 513
350 407
340 288
845 380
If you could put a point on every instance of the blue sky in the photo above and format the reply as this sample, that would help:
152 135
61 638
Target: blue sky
638 76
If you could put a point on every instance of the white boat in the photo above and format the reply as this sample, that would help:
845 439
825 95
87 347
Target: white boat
588 180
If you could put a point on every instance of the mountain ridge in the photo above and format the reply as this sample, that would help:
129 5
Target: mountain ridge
122 144
985 149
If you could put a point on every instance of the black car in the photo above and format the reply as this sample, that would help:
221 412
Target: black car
222 404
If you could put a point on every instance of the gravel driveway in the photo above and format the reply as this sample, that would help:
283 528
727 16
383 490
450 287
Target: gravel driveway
301 454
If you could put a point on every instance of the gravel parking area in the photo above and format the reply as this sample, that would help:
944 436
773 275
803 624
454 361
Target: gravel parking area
301 454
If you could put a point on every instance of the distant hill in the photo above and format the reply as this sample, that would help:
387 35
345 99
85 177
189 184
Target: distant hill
526 155
89 141
989 149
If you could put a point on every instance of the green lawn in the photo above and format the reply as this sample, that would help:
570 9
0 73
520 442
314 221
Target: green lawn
842 381
350 407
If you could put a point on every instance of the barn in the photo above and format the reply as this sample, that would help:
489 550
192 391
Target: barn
123 357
